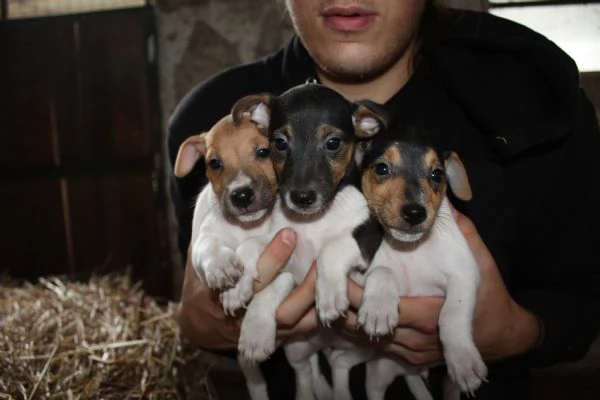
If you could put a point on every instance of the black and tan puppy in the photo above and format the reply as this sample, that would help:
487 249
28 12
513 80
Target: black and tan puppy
313 133
406 180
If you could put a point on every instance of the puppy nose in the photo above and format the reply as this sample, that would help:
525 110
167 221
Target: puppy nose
303 198
414 214
242 198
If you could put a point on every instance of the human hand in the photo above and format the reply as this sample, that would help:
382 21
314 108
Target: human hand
200 314
415 339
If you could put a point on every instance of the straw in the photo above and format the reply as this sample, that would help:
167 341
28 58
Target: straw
101 339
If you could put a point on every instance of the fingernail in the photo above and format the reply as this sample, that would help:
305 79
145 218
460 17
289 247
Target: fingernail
288 237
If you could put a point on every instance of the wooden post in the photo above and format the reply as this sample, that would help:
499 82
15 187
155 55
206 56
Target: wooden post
3 9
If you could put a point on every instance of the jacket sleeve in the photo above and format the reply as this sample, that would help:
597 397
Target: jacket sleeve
556 273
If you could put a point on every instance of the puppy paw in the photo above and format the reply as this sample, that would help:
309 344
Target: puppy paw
220 270
378 314
466 367
257 337
238 296
331 299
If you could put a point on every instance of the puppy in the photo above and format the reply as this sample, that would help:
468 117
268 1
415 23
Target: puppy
313 132
232 210
424 253
234 206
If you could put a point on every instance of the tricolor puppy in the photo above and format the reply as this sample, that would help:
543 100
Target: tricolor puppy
424 253
231 211
313 133
234 206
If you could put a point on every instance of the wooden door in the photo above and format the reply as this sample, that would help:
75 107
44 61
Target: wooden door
80 160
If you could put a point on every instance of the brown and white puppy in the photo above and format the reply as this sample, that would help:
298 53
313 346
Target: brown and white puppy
234 205
405 181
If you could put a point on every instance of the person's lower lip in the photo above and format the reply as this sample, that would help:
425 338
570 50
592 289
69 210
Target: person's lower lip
349 23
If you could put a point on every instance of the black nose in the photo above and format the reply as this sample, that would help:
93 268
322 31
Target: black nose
242 198
414 214
303 199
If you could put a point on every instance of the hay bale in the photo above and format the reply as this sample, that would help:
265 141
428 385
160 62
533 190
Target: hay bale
103 339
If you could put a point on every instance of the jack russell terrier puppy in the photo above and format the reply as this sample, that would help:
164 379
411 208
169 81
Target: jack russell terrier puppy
235 207
423 253
313 133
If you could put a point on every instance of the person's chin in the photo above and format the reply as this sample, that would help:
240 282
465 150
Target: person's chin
347 59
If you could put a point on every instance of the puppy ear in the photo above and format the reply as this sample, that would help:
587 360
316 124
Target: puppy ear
457 176
189 152
359 152
258 105
369 118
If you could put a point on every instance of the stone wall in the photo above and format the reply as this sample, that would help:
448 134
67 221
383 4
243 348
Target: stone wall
197 38
200 37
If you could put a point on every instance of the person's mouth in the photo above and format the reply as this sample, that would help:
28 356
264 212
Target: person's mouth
348 19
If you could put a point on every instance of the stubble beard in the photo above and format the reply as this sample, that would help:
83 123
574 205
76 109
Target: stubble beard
365 69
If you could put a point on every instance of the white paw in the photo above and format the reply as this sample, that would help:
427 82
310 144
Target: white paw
257 337
331 299
465 367
378 314
220 269
238 296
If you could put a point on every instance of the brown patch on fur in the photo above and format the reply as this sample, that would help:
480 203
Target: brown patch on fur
386 197
435 195
338 164
392 155
236 147
278 160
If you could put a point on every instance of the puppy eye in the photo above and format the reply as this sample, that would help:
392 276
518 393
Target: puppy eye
215 164
437 175
280 143
262 153
333 144
382 169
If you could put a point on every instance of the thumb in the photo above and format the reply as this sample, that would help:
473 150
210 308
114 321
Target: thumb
275 257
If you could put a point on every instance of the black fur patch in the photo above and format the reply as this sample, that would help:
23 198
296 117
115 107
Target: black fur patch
368 236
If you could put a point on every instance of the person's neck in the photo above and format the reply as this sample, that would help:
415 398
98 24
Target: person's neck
378 89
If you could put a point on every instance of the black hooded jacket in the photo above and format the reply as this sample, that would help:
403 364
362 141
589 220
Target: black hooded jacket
508 101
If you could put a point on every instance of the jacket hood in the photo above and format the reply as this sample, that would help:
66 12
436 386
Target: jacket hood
517 87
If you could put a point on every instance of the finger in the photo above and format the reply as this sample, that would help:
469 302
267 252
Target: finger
275 257
299 301
416 358
413 346
416 341
355 294
307 323
420 313
349 326
474 240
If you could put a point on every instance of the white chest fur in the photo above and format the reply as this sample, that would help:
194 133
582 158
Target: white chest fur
424 268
